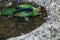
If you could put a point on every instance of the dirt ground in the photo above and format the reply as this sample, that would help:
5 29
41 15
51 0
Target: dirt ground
11 27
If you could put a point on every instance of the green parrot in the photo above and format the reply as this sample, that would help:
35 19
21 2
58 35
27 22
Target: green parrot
23 10
25 13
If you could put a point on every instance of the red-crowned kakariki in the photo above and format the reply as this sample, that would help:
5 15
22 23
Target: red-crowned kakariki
23 10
